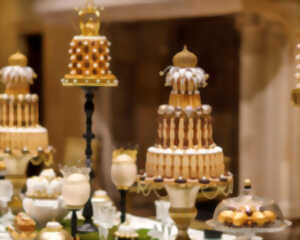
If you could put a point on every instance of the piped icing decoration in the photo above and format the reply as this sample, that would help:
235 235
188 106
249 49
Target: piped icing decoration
17 76
184 76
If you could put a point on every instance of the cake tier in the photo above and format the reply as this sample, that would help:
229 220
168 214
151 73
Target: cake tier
188 164
184 127
16 139
89 62
19 110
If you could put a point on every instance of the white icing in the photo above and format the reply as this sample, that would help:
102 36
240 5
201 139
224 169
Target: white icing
100 193
55 186
48 173
190 151
16 74
95 65
197 75
53 225
101 38
38 129
86 57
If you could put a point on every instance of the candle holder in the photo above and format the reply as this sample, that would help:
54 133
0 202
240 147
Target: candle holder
89 69
76 190
123 173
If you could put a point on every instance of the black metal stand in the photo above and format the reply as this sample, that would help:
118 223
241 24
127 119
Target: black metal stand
123 205
88 225
74 223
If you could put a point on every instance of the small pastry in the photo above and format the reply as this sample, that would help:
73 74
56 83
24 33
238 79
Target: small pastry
23 223
259 218
239 219
270 216
226 217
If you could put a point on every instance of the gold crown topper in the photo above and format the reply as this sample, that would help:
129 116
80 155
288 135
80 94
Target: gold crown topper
90 19
130 152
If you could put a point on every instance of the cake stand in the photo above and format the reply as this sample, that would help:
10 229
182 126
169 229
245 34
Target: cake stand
182 195
248 215
249 233
89 84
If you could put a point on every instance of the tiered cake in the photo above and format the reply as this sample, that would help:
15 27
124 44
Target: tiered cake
185 148
89 54
20 131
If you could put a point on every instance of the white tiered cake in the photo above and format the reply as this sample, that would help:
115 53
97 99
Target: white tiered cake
185 148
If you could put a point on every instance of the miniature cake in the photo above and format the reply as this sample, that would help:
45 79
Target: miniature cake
185 149
47 185
89 54
20 131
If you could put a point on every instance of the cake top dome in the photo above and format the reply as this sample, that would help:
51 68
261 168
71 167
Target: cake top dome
18 59
185 59
17 76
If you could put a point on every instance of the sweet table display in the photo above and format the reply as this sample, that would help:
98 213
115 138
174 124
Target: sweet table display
89 68
247 215
185 158
43 199
22 138
76 191
54 231
123 174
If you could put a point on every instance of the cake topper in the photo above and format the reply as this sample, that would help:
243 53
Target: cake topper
90 19
185 58
17 76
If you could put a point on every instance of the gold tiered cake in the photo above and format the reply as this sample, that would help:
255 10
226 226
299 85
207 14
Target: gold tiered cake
185 149
20 131
89 53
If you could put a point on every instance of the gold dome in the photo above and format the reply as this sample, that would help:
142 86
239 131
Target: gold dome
17 59
185 58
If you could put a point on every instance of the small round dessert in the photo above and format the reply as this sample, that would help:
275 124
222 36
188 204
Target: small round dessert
126 232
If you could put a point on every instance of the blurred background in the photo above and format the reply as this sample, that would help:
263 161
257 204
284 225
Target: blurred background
246 46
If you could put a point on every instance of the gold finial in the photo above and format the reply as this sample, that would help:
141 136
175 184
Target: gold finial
185 59
90 27
18 59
